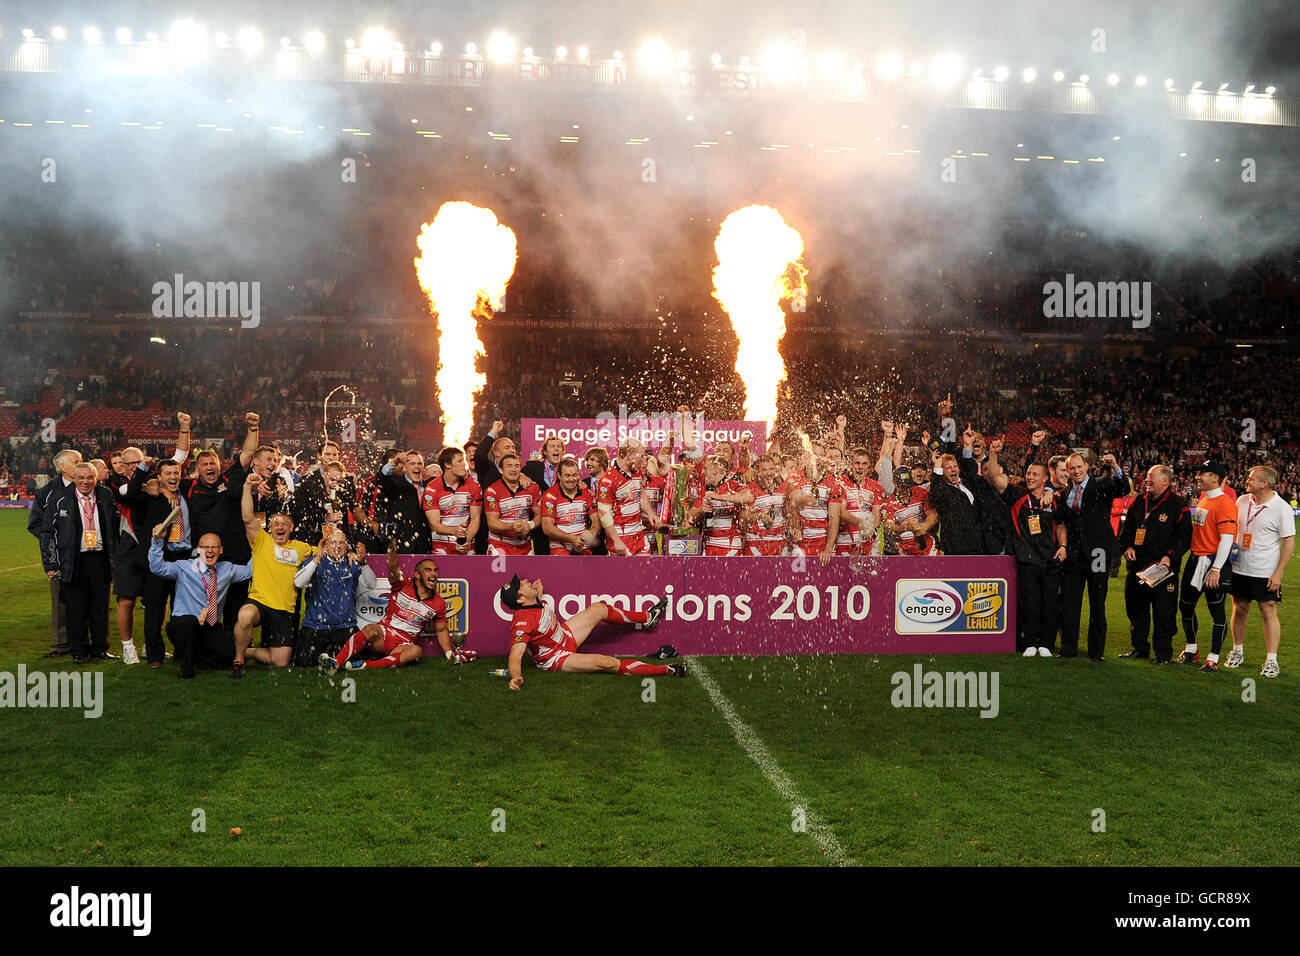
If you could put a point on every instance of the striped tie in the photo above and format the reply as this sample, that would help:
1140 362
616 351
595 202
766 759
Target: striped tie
210 584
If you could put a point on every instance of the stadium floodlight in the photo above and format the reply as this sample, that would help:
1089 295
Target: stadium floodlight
501 48
377 42
1000 74
1196 85
832 62
1223 87
435 48
350 43
916 69
528 53
582 53
1029 74
28 33
91 35
249 40
889 66
744 63
285 41
1058 76
1140 81
187 37
1084 78
945 69
471 48
1270 90
59 33
780 58
314 42
618 54
1169 82
561 52
654 56
716 59
683 58
1112 79
1250 87
123 35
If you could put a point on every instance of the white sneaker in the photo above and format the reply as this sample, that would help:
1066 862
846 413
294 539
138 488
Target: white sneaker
1030 652
1270 669
129 656
1236 658
1044 652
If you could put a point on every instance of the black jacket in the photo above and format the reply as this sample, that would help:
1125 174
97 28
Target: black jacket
404 512
36 517
995 517
1089 528
61 529
1168 530
961 530
536 470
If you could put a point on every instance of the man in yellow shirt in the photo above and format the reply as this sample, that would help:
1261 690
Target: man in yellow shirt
272 598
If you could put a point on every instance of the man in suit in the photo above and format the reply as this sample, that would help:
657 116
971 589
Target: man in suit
960 526
65 462
402 484
546 473
1090 546
77 534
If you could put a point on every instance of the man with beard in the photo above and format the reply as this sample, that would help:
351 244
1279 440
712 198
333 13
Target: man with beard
453 505
763 519
1039 548
569 513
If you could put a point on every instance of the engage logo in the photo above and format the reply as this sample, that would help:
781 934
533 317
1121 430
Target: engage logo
929 606
925 607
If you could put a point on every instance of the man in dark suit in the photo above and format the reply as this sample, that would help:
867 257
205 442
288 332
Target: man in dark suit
402 484
960 524
65 462
79 529
546 472
1090 547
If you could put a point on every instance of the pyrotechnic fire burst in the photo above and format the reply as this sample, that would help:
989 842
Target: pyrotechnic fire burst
758 266
466 260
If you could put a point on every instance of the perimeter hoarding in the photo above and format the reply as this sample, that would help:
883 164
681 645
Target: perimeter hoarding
881 605
608 431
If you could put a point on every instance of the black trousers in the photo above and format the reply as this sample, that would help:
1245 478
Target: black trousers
1038 596
86 603
157 592
203 645
1214 600
236 598
1142 605
1073 582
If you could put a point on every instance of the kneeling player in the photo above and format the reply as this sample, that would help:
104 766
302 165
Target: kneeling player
412 606
554 644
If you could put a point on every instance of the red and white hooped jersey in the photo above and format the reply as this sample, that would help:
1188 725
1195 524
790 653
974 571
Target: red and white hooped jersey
654 488
894 510
814 514
859 500
759 538
408 615
723 524
541 629
622 492
571 515
452 505
510 506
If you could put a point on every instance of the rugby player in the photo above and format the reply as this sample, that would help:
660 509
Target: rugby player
860 509
812 507
512 509
412 606
764 517
720 502
453 505
618 501
908 515
569 513
536 629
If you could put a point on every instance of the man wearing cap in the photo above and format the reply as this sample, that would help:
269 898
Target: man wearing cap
537 629
1214 526
1266 539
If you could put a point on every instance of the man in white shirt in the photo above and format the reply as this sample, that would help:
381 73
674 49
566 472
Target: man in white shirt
1266 537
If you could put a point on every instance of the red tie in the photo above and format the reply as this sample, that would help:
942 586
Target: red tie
210 584
87 512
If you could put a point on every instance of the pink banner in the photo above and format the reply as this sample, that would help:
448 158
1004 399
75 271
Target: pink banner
881 605
608 431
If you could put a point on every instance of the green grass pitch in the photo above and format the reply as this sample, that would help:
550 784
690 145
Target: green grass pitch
582 771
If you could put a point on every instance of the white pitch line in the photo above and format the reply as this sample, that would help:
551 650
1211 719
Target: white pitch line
758 752
21 567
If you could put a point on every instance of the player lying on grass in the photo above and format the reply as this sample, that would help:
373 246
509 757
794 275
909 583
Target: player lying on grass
412 605
554 644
